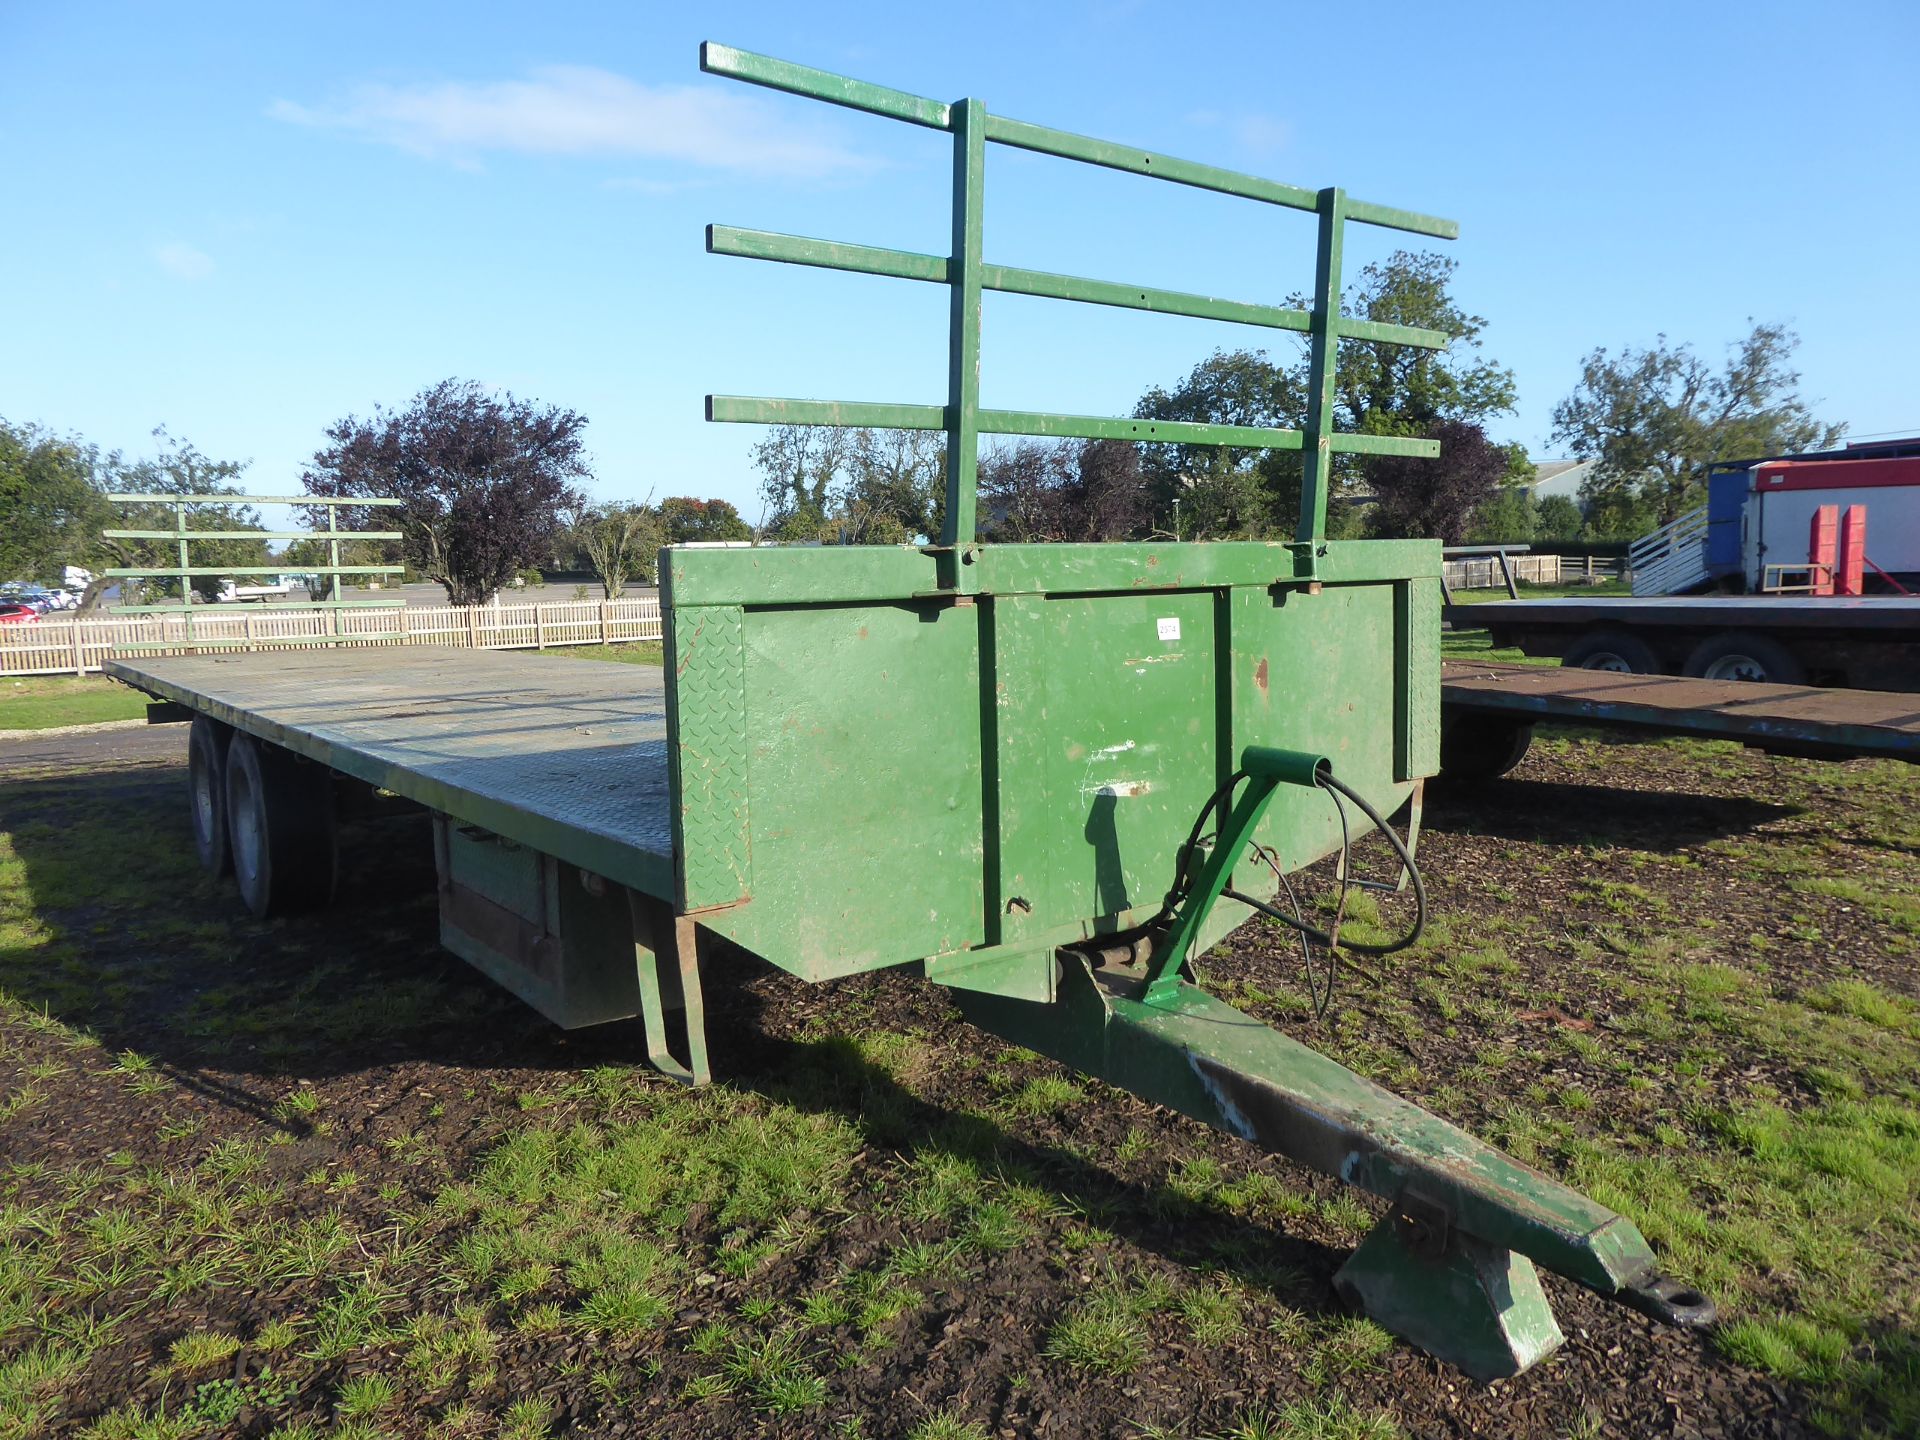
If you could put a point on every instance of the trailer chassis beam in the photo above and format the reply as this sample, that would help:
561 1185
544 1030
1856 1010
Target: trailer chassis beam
1452 1266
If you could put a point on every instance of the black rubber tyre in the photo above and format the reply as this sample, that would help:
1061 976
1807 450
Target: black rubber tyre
207 793
1482 747
281 828
1609 649
1743 655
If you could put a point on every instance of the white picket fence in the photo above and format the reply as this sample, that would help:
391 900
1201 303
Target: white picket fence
68 646
1483 572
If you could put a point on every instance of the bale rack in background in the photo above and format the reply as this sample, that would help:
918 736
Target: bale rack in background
184 571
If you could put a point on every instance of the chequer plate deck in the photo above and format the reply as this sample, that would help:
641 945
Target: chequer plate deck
568 756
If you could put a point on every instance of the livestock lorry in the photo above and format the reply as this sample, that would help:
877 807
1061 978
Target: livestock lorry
1045 777
1798 570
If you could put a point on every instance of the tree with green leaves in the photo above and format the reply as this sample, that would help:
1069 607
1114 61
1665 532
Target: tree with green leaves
1654 419
51 511
852 486
1078 490
1380 389
621 543
180 468
53 500
1506 517
1556 517
689 520
484 479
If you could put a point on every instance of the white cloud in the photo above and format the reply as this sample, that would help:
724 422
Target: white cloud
646 186
1262 134
1259 133
581 110
184 261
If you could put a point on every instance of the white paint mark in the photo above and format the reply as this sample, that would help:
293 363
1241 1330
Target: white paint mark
1231 1116
1120 749
1126 789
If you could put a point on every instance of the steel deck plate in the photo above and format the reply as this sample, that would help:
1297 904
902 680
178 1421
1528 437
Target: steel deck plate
1795 718
566 756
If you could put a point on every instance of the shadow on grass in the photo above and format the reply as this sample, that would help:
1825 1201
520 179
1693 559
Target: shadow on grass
110 928
107 924
1556 813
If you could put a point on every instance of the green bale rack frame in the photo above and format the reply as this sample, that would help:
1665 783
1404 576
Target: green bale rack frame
1045 777
183 571
984 759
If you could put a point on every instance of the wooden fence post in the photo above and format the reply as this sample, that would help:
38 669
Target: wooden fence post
79 647
539 625
606 633
473 628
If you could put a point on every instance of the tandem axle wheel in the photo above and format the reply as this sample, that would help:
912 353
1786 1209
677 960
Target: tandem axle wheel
276 821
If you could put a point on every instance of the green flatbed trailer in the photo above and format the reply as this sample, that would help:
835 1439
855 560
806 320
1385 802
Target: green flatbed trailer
994 764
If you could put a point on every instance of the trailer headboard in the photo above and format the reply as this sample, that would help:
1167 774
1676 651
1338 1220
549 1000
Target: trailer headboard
867 772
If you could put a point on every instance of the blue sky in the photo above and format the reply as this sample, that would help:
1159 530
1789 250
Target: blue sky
244 221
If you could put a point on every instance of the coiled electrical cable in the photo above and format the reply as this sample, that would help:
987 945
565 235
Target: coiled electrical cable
1333 941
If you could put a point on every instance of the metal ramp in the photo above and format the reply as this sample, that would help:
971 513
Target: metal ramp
1673 559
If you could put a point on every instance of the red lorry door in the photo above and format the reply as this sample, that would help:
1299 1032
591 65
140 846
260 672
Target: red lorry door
1851 577
1823 548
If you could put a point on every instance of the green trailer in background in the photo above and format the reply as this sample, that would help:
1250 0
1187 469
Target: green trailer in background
1044 776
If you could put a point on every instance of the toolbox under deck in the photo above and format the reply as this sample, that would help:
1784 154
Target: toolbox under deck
566 756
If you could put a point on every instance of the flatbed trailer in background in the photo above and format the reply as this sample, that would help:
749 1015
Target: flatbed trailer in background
1490 710
1043 776
1870 643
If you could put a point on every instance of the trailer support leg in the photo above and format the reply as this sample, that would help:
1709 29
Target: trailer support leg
677 989
1475 1306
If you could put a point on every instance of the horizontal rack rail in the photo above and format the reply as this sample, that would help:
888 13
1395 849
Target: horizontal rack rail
183 572
237 499
246 534
967 274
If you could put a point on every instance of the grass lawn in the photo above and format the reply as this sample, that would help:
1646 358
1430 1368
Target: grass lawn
39 702
626 652
1465 644
347 1186
1601 591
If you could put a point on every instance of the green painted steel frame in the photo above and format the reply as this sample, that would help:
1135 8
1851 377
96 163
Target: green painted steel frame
183 571
967 275
1023 764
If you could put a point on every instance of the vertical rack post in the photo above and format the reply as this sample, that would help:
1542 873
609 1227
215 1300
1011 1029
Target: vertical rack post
963 336
1323 348
186 580
333 559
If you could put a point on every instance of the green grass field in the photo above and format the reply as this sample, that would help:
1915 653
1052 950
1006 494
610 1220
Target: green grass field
627 652
1464 644
40 702
401 1205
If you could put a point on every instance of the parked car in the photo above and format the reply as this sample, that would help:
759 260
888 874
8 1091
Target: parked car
12 612
34 597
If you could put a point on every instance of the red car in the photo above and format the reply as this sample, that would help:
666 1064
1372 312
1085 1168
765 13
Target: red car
14 613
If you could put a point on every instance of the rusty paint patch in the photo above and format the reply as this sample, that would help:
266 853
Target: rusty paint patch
1260 675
